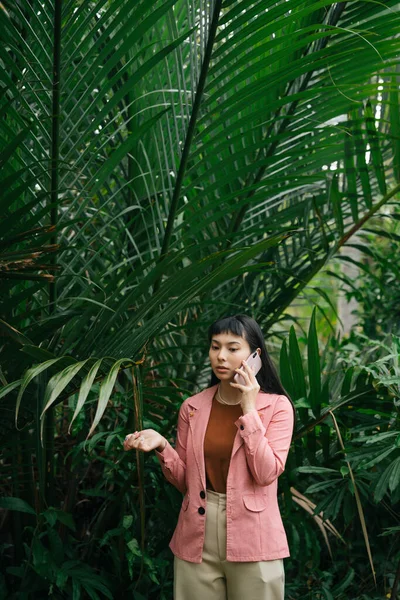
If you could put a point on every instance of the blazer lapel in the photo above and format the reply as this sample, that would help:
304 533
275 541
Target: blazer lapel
199 414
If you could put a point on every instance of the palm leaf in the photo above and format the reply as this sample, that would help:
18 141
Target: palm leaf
182 136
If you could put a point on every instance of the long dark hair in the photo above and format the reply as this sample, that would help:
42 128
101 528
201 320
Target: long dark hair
250 330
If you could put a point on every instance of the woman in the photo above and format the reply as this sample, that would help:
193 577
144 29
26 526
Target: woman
232 443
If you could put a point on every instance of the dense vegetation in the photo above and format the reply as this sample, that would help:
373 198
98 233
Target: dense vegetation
164 163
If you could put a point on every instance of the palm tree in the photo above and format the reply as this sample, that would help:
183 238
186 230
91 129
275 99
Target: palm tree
191 159
176 148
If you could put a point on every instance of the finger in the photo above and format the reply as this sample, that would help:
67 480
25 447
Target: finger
250 369
242 388
243 374
135 436
135 445
126 441
238 385
245 365
130 441
251 373
141 444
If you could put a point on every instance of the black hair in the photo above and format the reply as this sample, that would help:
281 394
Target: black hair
249 329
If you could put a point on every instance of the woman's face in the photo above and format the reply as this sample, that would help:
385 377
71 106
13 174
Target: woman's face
226 354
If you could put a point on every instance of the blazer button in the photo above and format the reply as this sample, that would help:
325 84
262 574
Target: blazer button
242 427
202 494
201 510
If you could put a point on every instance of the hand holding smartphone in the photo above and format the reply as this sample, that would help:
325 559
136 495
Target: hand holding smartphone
253 360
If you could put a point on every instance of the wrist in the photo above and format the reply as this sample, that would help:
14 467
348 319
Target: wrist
162 445
248 408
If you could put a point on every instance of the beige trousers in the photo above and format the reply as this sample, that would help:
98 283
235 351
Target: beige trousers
215 578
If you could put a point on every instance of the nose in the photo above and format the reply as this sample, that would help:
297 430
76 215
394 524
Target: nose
221 355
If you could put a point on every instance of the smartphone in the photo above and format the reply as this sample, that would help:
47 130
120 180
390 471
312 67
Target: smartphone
253 360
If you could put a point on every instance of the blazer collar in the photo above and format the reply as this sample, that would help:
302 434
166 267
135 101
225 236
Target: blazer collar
198 418
204 398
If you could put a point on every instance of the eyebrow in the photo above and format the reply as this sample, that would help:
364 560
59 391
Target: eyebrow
217 342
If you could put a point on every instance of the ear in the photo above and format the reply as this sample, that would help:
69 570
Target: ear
259 351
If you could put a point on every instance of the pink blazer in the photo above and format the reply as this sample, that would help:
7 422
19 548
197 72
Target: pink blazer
254 526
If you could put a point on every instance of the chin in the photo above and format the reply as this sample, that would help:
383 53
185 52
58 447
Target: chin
223 376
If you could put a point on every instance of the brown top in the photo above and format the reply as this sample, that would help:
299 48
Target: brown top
218 442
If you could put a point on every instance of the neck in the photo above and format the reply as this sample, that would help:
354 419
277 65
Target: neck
229 393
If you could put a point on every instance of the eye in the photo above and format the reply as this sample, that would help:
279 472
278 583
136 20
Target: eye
214 347
233 349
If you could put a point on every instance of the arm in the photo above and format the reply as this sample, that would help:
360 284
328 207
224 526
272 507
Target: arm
173 461
267 449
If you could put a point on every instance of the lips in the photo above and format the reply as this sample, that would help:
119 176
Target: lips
222 369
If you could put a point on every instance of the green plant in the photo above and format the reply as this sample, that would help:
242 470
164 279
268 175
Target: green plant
182 165
345 463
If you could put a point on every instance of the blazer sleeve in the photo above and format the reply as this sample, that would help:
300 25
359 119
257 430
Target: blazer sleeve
173 461
267 448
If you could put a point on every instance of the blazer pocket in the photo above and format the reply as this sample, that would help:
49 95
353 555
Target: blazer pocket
185 502
255 502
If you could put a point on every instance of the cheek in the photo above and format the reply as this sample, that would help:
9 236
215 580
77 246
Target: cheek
240 356
243 356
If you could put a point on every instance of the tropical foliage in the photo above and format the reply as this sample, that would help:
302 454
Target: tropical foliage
164 163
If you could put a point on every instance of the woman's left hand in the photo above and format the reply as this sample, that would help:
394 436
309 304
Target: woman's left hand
250 390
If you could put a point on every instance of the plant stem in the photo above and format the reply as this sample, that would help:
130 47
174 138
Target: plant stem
54 178
189 136
393 594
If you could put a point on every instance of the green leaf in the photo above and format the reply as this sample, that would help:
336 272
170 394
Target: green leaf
394 114
59 382
326 593
389 475
13 333
85 389
322 485
297 366
16 504
319 470
105 392
133 546
30 374
376 154
377 458
285 370
350 172
314 367
127 521
390 531
346 384
9 388
52 515
394 480
8 150
360 153
302 403
122 150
